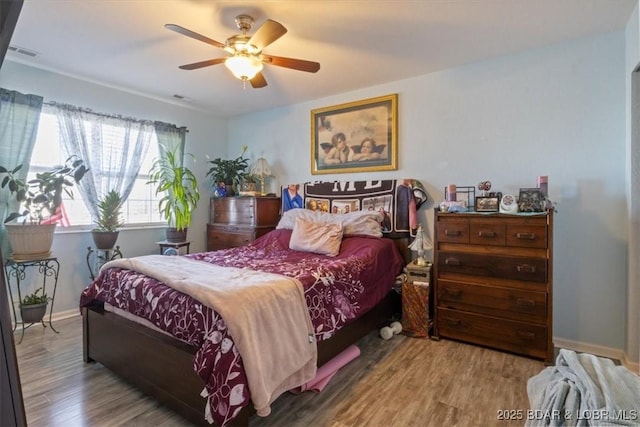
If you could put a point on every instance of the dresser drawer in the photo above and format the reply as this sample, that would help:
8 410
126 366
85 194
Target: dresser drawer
453 230
220 239
516 304
245 211
527 236
506 267
509 335
487 233
233 210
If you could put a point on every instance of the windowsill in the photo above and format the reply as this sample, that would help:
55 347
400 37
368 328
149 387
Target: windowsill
74 229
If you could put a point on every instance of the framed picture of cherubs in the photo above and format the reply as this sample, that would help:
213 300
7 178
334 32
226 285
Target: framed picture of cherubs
360 136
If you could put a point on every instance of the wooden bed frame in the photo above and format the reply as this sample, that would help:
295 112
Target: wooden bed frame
140 355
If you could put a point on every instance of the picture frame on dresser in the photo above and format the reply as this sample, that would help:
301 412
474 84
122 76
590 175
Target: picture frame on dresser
531 200
359 136
487 203
466 195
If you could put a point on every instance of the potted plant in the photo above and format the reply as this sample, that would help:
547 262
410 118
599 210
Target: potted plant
30 235
33 306
226 175
106 231
180 188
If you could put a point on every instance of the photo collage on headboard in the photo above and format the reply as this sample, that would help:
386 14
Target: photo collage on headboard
396 200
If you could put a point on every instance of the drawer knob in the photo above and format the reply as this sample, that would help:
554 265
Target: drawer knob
526 268
486 234
453 292
522 302
526 335
454 323
452 261
526 236
451 232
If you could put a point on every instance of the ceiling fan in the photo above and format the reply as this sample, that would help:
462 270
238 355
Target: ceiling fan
246 60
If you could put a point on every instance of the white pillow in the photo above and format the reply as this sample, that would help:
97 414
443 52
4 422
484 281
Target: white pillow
365 223
317 237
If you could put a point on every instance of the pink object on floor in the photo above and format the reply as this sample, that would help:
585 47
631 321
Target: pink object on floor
329 369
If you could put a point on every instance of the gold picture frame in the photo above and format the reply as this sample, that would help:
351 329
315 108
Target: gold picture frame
360 136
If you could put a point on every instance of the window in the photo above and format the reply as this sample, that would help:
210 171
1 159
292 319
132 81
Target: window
141 207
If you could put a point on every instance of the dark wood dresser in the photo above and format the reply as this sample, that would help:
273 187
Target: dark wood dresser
493 281
236 221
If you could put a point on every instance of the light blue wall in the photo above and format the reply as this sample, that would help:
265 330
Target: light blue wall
207 137
557 111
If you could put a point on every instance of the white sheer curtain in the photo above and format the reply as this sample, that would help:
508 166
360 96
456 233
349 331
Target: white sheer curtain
112 147
19 119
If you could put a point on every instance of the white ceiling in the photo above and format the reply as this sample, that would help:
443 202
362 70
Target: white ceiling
358 43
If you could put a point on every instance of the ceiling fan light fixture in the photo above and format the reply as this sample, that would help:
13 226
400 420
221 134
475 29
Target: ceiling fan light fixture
243 67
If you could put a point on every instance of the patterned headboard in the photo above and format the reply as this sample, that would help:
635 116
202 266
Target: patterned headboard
398 200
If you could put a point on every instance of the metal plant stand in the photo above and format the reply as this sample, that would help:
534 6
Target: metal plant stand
96 258
16 269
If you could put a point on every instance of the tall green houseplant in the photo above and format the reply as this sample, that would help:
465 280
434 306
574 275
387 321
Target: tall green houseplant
180 188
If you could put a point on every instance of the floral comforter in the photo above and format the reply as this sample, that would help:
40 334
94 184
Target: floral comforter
337 290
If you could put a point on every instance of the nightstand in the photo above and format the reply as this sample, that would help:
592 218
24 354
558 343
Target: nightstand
415 300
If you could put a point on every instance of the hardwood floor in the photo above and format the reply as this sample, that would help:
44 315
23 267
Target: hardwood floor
400 382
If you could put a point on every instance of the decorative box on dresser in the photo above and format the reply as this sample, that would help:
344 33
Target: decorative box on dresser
493 281
237 221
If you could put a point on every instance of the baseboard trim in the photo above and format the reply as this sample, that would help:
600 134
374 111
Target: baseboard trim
598 350
54 317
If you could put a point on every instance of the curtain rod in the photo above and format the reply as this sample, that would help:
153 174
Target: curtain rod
111 116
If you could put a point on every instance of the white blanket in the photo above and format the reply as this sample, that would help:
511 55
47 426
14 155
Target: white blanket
583 390
266 315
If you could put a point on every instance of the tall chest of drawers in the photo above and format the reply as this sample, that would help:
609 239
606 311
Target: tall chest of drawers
493 281
236 221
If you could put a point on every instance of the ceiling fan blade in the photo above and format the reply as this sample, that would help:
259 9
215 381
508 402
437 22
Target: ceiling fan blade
202 64
258 81
296 64
189 33
268 32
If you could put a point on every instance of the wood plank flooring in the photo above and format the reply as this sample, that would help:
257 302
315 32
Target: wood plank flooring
400 382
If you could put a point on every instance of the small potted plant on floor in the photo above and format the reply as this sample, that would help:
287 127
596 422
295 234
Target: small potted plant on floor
181 195
105 234
30 235
33 306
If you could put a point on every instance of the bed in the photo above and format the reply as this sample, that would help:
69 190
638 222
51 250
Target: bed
178 350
